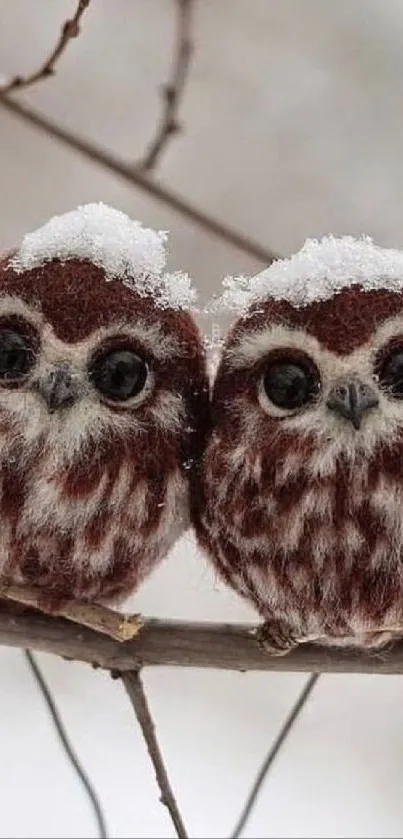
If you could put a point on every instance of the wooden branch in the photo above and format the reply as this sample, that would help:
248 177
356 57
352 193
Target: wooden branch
135 689
182 644
99 618
139 179
173 91
69 30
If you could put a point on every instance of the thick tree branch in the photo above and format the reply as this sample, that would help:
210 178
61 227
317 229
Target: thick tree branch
135 688
69 30
182 644
172 92
137 178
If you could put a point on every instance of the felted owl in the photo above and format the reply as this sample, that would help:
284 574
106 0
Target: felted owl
103 400
299 499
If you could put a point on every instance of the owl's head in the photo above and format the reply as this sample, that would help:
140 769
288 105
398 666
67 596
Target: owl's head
95 338
317 352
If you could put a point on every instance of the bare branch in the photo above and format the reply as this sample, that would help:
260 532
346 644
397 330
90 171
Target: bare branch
99 618
134 176
182 644
135 688
64 739
272 754
69 30
172 92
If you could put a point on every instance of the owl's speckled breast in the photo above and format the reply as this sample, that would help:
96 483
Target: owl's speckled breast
91 530
322 554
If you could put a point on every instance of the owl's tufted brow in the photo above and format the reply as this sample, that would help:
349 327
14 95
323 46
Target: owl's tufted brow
249 347
147 332
14 305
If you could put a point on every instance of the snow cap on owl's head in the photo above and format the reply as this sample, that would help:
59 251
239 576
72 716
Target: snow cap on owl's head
120 246
317 272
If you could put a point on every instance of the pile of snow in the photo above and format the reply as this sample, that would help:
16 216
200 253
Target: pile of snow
318 271
108 238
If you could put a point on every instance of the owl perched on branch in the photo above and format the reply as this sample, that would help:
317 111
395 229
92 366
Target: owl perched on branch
103 399
300 490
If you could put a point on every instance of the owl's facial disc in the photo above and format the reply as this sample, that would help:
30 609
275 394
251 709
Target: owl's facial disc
59 387
352 399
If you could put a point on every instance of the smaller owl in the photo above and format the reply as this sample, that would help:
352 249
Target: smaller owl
299 494
103 404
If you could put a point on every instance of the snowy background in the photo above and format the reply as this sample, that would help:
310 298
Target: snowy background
294 128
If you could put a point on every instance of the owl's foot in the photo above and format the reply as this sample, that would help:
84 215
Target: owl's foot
376 640
276 638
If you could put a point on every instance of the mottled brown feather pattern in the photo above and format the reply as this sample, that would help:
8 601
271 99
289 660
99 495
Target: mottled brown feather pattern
318 550
87 513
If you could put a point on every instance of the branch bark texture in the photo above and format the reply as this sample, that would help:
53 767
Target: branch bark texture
183 644
137 695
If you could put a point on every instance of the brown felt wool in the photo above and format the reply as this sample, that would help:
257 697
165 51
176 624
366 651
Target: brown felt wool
300 512
139 475
341 323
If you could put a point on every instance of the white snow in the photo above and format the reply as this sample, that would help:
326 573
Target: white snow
319 270
108 238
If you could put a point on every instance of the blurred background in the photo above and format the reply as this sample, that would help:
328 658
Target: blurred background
292 127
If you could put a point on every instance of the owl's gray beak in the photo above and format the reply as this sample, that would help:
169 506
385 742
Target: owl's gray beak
59 388
352 399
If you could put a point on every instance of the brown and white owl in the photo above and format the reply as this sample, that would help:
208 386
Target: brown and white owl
299 498
103 400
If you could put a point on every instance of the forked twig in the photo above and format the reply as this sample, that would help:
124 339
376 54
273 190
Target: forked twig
134 176
69 30
118 626
135 689
172 92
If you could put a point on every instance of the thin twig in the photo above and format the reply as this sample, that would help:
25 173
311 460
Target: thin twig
135 688
184 644
67 746
274 750
99 618
69 30
172 92
134 176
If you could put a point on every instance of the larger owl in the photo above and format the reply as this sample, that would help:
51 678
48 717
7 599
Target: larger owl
300 490
103 400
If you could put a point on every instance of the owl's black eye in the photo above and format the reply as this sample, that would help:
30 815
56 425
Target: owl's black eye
290 384
119 374
391 373
16 354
